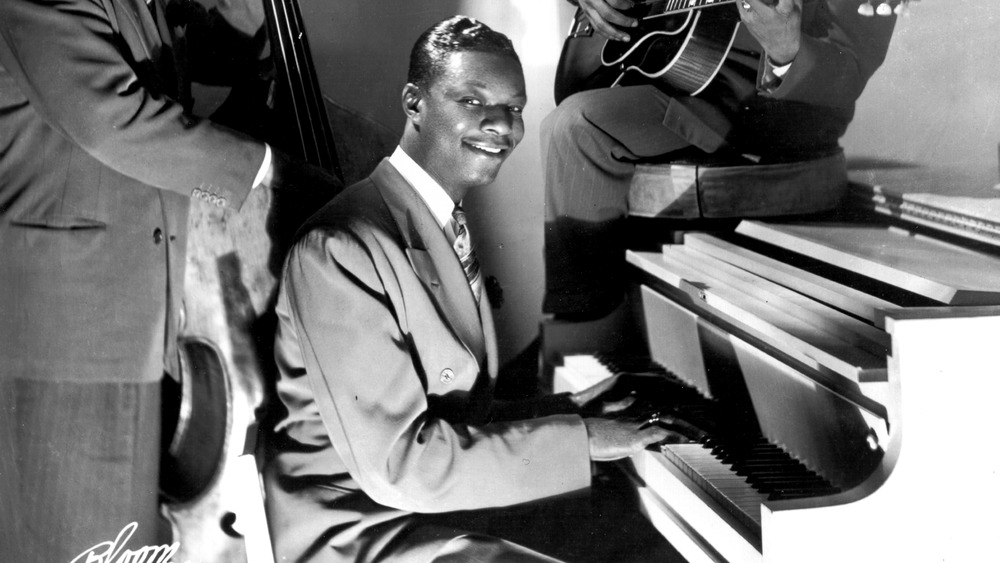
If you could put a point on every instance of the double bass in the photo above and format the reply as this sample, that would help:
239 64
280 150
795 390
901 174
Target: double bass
208 470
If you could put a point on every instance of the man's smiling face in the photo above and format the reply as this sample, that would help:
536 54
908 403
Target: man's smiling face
469 120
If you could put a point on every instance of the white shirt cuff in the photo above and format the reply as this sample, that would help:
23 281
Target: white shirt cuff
779 71
264 166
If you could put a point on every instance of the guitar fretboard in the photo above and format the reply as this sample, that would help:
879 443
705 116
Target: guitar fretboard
667 7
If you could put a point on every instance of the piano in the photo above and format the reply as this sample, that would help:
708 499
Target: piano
845 371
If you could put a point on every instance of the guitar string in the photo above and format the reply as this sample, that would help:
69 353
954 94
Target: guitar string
677 6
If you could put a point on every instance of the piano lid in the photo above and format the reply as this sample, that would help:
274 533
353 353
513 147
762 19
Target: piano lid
941 271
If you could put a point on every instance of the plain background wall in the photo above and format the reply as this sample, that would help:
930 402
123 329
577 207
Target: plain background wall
935 101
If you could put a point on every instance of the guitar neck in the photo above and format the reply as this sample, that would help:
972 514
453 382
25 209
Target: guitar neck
659 8
295 67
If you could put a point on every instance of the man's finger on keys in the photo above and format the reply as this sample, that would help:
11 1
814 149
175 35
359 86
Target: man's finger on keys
615 406
657 434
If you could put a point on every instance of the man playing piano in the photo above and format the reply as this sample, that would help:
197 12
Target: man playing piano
387 352
785 92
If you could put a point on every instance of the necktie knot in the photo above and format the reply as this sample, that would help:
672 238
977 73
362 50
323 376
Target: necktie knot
465 251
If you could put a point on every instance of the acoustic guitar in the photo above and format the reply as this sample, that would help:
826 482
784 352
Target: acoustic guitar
679 45
231 277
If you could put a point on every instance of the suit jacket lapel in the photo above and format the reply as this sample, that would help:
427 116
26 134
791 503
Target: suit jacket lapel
490 335
432 258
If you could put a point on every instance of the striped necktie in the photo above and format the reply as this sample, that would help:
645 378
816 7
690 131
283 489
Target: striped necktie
465 251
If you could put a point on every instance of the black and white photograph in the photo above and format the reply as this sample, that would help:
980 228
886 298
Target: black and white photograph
476 281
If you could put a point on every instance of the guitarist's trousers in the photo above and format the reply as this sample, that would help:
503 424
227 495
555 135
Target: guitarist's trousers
590 144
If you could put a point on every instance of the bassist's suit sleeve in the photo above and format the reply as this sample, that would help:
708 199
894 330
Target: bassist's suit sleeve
73 66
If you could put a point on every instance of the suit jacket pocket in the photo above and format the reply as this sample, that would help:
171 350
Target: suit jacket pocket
57 221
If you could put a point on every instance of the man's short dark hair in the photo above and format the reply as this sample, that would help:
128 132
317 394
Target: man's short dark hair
454 35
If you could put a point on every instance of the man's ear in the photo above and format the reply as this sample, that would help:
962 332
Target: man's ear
412 98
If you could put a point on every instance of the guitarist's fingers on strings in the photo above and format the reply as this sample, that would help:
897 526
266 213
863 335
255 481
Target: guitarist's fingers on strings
776 24
760 6
608 17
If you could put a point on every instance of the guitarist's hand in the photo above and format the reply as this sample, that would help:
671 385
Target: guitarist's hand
777 26
606 16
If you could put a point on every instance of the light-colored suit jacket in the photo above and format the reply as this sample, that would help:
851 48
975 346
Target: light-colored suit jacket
387 368
98 162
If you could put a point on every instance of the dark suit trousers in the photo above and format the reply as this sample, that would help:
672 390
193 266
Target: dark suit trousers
78 462
590 144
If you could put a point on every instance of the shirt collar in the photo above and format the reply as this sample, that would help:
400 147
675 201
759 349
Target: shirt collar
434 196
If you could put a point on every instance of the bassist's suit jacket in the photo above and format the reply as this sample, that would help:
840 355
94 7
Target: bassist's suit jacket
387 367
98 163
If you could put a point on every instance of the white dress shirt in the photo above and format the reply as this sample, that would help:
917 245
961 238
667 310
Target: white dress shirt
437 200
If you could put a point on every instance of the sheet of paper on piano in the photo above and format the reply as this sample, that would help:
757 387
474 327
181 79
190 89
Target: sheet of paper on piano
959 200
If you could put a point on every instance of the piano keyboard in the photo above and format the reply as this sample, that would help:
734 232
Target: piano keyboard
734 465
778 383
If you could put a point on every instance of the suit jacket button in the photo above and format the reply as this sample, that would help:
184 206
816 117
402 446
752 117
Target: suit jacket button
447 376
157 235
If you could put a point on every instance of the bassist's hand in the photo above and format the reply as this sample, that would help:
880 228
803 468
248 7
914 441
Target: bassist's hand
606 16
777 25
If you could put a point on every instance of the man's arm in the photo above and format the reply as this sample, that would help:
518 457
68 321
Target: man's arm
831 56
349 313
69 63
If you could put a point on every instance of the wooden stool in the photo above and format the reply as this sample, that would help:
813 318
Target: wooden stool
712 189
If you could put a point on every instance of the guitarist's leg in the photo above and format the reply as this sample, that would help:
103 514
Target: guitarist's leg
589 144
